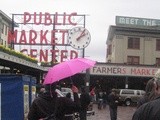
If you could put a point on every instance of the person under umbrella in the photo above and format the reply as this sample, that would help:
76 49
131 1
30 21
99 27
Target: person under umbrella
85 100
67 69
47 104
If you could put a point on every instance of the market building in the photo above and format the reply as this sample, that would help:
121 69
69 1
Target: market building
132 55
133 51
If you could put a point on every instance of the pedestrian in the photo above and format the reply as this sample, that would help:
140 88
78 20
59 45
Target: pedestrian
85 100
113 99
105 98
47 104
151 109
92 94
69 114
100 99
149 93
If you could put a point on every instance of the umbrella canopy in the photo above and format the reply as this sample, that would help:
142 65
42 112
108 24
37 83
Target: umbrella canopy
67 68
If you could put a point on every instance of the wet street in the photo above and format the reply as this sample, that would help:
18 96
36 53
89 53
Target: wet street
124 113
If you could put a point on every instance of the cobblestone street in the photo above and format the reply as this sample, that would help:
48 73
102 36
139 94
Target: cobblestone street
124 113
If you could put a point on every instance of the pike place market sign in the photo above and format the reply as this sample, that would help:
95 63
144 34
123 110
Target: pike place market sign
119 70
134 21
43 35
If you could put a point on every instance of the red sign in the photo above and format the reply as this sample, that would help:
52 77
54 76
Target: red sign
40 34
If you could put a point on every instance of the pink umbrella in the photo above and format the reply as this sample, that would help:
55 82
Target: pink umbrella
67 68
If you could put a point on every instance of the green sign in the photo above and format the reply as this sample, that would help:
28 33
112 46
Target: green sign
132 21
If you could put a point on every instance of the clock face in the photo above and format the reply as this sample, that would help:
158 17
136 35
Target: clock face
79 37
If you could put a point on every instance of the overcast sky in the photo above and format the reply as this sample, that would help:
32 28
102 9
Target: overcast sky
101 13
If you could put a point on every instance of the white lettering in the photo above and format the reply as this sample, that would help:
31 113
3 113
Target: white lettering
132 21
122 20
149 22
136 21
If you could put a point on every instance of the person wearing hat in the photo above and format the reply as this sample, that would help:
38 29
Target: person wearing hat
150 110
47 104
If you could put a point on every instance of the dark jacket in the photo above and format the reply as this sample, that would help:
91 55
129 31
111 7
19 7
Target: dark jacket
142 100
112 100
148 111
85 100
44 105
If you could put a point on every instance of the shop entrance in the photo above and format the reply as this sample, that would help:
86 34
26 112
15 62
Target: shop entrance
106 83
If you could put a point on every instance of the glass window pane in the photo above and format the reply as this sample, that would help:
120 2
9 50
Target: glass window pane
133 43
158 44
133 59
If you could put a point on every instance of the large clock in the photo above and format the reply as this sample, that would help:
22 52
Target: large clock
79 37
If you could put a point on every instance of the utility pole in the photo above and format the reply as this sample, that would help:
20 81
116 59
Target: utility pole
87 76
53 46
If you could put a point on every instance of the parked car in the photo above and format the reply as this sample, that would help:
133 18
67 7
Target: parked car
129 96
65 91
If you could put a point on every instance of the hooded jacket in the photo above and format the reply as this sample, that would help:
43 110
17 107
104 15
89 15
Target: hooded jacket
44 105
148 111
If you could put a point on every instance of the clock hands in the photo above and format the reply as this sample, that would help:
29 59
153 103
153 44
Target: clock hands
81 35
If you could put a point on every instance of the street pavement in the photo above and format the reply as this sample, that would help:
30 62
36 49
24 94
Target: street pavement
124 113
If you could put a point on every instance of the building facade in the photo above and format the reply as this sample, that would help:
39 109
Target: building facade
133 52
133 44
5 26
132 58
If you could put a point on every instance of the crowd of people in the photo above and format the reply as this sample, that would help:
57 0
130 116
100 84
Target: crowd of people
47 105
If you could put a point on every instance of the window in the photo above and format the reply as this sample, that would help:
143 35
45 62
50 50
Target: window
109 50
138 93
157 61
6 29
1 41
2 27
133 43
128 92
5 43
157 44
133 59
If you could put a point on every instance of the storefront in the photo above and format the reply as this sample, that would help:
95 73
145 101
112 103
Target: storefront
106 76
121 76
